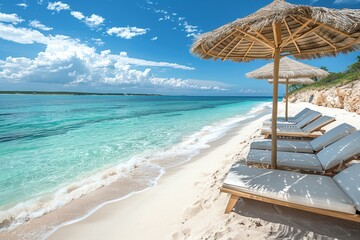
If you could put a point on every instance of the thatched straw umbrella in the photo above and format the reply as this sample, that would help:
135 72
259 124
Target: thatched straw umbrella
288 82
281 29
288 68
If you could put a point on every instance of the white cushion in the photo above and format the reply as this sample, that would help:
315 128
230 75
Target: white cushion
304 161
318 123
332 136
349 182
307 190
283 145
311 117
340 151
292 120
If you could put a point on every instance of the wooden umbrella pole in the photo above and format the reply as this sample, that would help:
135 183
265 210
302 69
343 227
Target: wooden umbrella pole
274 109
277 42
287 100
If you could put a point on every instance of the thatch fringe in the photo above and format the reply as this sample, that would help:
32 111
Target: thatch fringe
289 68
292 81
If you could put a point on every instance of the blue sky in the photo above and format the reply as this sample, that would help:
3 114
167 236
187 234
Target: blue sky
136 46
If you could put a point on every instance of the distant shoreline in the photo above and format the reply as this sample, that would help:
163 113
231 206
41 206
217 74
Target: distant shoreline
111 94
76 93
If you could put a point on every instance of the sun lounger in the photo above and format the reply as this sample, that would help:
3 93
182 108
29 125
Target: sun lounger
337 197
312 146
324 161
305 132
310 116
292 120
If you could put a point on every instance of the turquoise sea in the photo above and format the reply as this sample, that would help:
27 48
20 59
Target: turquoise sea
51 142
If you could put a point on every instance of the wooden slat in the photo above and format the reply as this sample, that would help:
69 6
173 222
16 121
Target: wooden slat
237 44
311 30
296 135
202 47
327 41
254 38
328 51
346 216
218 55
264 38
222 40
289 31
297 31
248 50
331 28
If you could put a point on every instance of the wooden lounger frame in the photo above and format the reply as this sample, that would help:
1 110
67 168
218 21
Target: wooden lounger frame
317 132
235 195
267 135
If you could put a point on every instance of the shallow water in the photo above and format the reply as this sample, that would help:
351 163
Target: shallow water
54 149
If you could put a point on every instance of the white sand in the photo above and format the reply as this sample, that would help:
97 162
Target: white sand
187 204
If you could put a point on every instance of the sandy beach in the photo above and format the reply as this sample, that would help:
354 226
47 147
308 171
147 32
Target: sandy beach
186 202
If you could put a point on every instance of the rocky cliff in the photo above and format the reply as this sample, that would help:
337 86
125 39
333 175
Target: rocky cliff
346 97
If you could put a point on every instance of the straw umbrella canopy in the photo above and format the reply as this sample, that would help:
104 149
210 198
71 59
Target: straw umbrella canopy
288 82
288 69
281 29
293 81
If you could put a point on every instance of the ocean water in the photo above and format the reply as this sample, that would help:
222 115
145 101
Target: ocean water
55 148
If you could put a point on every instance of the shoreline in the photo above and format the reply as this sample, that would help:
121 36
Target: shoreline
186 203
76 210
222 145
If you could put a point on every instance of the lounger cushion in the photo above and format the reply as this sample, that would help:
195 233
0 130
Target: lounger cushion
332 136
292 120
318 123
349 182
283 145
311 117
340 151
299 114
304 161
307 190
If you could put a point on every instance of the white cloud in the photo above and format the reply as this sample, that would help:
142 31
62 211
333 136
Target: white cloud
346 1
154 38
77 15
252 91
94 20
69 58
69 62
58 6
11 18
191 30
23 5
188 83
39 25
21 35
165 15
123 54
127 32
123 58
98 41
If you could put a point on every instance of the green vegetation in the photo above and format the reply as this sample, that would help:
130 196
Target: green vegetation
75 93
352 73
